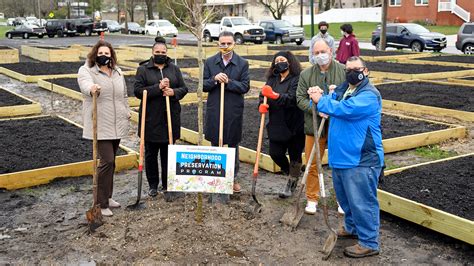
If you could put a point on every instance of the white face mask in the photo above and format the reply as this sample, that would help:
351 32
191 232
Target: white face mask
322 59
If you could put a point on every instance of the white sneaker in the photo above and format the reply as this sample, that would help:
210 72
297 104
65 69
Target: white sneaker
113 204
340 210
106 212
311 207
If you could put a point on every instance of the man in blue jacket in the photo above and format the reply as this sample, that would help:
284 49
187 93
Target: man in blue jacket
229 68
355 154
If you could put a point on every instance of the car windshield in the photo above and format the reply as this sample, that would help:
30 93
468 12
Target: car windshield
416 29
164 23
240 21
282 24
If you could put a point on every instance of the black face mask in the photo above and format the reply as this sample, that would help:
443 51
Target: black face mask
281 67
159 59
102 60
354 76
323 31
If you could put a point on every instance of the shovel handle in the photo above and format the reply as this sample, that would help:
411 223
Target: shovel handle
168 117
142 130
221 117
318 155
94 148
259 143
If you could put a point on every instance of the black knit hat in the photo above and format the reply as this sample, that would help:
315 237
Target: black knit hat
281 53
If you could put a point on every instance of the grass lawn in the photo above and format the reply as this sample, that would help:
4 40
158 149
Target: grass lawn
3 29
363 30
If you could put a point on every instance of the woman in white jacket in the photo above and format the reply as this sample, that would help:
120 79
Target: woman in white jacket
100 74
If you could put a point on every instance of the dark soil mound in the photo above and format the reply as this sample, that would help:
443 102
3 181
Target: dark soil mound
410 68
2 47
446 186
287 47
50 47
468 78
10 99
392 126
367 52
41 142
269 58
467 59
71 83
44 68
456 97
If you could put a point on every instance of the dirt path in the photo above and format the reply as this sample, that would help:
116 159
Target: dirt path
47 224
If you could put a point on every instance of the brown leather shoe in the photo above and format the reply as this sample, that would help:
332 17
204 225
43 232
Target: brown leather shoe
237 188
357 251
343 234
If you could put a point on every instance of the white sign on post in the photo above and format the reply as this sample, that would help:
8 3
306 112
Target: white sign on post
201 169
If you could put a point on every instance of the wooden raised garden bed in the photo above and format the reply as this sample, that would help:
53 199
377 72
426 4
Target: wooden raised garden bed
442 99
12 104
44 148
32 72
463 80
390 55
69 87
9 55
399 133
437 195
405 71
445 60
51 53
182 63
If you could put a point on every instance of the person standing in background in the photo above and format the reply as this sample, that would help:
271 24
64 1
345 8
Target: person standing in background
323 34
348 46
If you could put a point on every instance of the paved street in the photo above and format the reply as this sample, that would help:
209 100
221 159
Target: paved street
119 39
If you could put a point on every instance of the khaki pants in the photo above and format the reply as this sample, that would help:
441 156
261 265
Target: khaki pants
312 182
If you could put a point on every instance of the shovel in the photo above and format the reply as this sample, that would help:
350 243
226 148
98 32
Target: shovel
255 206
94 214
293 215
332 238
137 204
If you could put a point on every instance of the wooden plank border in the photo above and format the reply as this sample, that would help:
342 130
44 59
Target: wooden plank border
35 177
20 110
424 215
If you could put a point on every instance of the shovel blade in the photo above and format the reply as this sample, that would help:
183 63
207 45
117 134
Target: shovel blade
329 245
292 217
94 218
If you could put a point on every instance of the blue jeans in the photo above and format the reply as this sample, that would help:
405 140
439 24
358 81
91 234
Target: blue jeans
356 191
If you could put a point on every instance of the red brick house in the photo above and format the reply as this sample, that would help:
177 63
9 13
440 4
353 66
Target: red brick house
439 12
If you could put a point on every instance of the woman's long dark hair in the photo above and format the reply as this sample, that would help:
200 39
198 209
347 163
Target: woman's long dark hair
91 56
293 62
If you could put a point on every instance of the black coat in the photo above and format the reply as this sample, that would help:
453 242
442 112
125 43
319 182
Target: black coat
238 72
285 118
148 78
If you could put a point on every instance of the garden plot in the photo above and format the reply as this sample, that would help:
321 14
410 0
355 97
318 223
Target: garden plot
32 72
399 133
12 104
445 60
70 88
437 195
51 53
443 99
8 55
44 148
374 55
406 71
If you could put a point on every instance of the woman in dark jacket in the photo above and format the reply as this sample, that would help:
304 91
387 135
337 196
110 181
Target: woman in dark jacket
161 78
285 126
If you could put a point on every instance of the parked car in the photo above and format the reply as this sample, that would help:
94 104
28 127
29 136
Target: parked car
410 35
60 27
160 27
112 25
10 21
281 31
465 38
88 26
133 28
26 31
243 30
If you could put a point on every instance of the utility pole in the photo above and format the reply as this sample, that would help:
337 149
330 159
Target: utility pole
301 13
39 13
126 17
383 27
312 18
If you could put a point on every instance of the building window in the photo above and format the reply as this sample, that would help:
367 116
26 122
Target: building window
421 2
395 2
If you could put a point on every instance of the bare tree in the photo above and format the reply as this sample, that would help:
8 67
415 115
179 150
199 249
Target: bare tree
383 27
320 5
149 8
197 17
131 5
277 7
327 6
